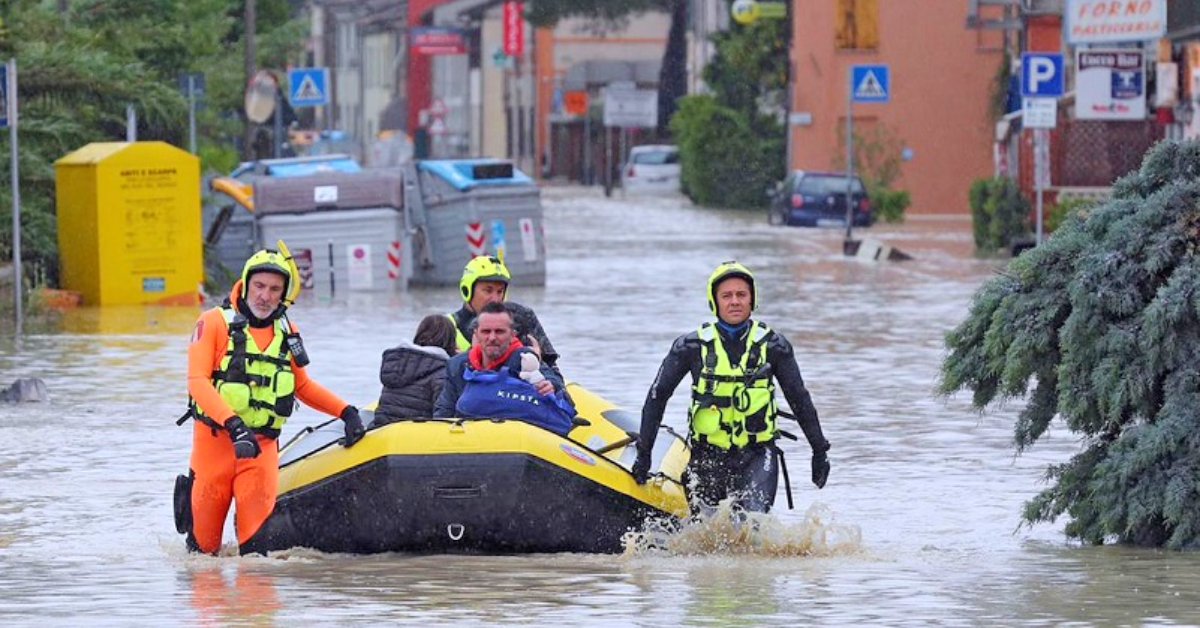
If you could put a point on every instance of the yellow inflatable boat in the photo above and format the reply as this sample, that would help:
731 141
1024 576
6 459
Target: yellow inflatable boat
473 485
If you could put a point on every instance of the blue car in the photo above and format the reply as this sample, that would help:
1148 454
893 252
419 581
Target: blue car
818 199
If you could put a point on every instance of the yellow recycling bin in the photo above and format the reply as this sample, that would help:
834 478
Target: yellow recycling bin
129 223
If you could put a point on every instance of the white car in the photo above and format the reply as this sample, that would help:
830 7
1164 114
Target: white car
651 169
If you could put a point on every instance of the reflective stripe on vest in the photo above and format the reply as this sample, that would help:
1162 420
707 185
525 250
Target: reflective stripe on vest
257 384
731 407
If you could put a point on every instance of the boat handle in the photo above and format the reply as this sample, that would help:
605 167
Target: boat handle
455 531
457 492
617 444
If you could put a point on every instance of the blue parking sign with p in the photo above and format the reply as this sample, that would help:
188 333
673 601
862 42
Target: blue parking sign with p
1041 74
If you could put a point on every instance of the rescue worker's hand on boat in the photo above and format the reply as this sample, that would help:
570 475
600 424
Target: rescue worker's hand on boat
641 466
245 445
820 466
353 425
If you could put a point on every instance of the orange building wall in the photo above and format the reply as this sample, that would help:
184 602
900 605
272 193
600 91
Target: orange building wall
941 75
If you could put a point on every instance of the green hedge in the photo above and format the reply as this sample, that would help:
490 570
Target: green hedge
889 205
999 212
725 161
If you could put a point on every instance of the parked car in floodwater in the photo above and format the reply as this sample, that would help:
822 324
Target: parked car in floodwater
818 199
651 169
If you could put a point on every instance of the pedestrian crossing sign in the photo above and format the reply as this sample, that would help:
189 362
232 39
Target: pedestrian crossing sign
869 83
308 87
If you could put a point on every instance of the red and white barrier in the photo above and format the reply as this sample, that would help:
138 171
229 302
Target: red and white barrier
393 260
475 239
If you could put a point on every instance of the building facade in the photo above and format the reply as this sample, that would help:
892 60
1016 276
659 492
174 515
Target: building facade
940 80
1103 127
363 46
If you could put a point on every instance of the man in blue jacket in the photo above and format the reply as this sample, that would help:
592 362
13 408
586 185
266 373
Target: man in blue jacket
489 381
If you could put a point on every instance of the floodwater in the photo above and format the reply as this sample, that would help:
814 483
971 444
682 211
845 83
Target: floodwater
919 524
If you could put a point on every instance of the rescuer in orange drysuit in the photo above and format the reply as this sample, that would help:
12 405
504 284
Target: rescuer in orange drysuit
245 371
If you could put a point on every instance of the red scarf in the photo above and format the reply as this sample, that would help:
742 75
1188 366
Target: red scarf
475 356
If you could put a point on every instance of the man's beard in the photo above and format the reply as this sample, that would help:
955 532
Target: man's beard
493 352
261 310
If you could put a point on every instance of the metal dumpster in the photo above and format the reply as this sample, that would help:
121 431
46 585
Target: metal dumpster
345 229
458 209
229 223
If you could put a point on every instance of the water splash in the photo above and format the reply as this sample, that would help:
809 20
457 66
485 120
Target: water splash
728 531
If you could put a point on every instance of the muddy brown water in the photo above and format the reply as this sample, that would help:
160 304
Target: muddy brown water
919 524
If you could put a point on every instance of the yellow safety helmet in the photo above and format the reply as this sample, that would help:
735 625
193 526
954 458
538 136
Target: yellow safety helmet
484 268
725 271
269 261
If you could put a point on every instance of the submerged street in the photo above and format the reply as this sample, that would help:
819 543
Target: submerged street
919 524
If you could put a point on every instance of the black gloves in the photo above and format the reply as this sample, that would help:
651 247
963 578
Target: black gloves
353 425
641 466
820 466
244 443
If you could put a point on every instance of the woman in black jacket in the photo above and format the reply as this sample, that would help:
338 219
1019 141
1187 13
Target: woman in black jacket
413 374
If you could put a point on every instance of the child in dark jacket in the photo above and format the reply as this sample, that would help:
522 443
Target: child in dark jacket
413 374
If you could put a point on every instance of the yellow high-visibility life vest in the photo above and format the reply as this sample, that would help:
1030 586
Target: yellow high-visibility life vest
258 384
464 343
733 405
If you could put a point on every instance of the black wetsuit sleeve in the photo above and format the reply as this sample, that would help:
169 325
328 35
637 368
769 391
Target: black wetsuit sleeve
678 363
553 375
549 355
447 400
787 372
526 322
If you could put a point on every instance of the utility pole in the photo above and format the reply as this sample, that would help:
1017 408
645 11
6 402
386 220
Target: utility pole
250 66
788 87
9 76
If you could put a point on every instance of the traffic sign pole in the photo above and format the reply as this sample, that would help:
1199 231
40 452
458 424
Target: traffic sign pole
1041 166
788 97
1039 143
608 178
865 83
1041 77
849 149
622 155
277 129
587 149
191 90
10 96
